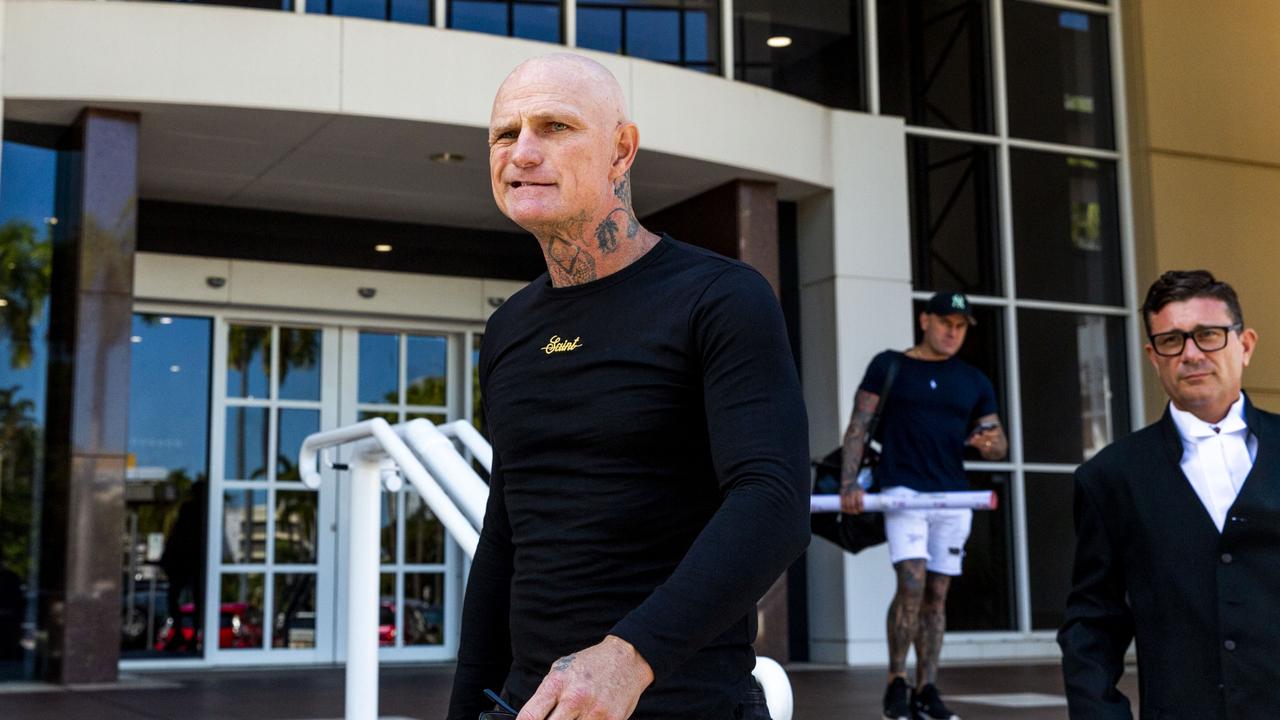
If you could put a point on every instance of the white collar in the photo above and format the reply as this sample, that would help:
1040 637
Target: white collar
1190 426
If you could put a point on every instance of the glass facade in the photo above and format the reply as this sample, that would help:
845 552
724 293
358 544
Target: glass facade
678 32
528 19
27 221
418 12
807 48
955 234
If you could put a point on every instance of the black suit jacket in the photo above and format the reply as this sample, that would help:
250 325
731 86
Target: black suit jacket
1203 606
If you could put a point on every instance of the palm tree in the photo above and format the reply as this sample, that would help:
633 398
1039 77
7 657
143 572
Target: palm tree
25 274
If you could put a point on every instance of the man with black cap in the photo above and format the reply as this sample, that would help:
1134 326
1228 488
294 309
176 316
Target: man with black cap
936 404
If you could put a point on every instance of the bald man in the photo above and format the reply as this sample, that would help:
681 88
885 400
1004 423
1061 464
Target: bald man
650 473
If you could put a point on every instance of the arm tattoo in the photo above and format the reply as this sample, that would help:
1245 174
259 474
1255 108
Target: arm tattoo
855 437
563 663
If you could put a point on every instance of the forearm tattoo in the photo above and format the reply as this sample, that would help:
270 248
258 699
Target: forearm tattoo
855 438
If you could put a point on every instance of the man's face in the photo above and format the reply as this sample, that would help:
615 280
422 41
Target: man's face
552 141
1197 379
944 334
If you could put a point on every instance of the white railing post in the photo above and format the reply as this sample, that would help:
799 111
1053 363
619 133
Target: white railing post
362 596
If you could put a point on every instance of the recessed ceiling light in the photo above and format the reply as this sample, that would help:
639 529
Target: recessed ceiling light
448 157
382 247
4 303
175 368
166 321
136 339
778 41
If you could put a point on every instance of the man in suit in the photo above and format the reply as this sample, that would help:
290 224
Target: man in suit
1178 531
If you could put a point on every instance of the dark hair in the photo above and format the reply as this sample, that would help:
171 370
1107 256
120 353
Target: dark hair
1182 285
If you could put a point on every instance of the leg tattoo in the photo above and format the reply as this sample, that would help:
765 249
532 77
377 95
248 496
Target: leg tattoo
932 627
904 613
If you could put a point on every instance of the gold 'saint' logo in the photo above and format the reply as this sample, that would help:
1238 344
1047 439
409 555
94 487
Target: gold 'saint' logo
556 345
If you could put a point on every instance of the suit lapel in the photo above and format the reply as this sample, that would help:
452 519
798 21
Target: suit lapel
1259 484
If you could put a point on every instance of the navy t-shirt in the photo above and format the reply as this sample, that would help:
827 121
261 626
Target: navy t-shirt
930 412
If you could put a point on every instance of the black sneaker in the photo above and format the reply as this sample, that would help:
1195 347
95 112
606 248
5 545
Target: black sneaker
897 701
929 706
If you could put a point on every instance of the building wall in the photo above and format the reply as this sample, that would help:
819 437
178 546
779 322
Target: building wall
1204 78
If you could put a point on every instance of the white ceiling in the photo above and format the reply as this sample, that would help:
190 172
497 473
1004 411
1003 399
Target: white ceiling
348 166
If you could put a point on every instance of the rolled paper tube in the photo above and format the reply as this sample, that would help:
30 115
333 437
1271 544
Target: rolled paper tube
878 502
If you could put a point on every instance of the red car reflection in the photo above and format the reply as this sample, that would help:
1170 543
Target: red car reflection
238 627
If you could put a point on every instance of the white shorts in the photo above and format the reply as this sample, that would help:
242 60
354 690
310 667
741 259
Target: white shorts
937 536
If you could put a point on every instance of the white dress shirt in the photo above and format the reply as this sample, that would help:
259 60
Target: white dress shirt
1216 458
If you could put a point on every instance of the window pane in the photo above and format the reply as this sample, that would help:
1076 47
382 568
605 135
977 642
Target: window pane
983 597
680 32
295 426
244 526
387 610
1059 75
477 402
240 615
537 21
426 369
248 361
294 612
531 19
423 609
296 527
1066 228
28 182
376 9
1075 394
388 525
955 236
246 440
423 533
379 368
166 487
299 364
1050 545
984 349
823 60
412 11
934 63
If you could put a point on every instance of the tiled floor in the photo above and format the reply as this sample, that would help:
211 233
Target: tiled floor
1023 692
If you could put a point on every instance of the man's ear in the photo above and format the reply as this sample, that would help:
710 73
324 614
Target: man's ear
626 144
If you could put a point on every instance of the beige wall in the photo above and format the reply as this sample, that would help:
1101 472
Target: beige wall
1203 80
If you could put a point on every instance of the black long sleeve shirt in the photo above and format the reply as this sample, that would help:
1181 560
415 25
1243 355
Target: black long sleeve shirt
650 480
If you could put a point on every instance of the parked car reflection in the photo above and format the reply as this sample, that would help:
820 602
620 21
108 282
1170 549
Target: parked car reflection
239 626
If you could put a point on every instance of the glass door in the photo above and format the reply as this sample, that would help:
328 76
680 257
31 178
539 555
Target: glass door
271 550
402 376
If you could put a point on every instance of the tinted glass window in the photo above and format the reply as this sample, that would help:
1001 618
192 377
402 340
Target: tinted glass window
409 11
934 62
1066 228
1075 390
1051 542
679 32
983 597
955 236
529 19
1059 75
807 48
27 221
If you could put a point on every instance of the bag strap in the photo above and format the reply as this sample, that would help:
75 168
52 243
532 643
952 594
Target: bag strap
889 377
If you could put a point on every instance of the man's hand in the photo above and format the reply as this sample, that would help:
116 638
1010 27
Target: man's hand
851 500
603 682
991 442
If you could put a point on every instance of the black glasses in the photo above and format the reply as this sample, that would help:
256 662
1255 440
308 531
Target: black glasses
1208 339
507 712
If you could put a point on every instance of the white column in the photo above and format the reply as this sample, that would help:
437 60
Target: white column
362 600
855 300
